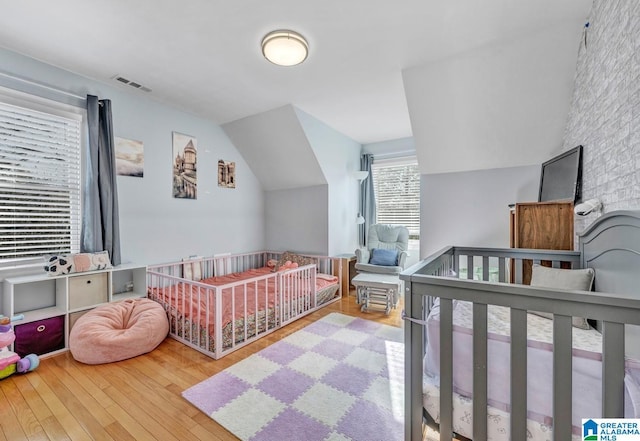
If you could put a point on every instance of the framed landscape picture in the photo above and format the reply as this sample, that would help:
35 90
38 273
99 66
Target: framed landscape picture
129 157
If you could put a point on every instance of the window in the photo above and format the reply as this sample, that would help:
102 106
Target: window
396 185
40 186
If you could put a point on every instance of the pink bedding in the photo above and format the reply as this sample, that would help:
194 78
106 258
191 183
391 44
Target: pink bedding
191 300
234 297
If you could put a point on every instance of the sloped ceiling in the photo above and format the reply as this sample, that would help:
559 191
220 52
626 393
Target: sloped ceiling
203 56
503 105
440 70
277 149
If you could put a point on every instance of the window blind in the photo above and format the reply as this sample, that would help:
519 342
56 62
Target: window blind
40 185
397 193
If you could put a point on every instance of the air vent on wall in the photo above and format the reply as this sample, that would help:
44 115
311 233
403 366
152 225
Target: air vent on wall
133 84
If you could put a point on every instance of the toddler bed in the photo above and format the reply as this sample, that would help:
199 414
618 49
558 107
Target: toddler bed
481 364
217 305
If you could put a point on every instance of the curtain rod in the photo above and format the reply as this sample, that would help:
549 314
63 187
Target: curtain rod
41 85
395 155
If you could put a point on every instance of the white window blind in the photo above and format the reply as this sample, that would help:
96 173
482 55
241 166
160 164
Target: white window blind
40 183
396 185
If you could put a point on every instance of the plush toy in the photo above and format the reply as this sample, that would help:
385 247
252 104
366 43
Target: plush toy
77 263
100 260
62 264
10 362
288 265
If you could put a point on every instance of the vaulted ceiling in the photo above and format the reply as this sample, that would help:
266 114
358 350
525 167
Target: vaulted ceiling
203 56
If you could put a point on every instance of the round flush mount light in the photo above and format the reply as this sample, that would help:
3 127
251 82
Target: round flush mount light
285 48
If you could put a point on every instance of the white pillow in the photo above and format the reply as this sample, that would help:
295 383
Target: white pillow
555 278
191 268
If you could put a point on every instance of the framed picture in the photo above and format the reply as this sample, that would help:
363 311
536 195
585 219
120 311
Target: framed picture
185 178
226 174
129 157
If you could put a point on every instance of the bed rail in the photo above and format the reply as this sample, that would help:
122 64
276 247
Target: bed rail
439 277
218 319
221 265
198 310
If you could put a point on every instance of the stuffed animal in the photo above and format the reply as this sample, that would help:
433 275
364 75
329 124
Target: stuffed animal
288 265
100 260
61 264
10 362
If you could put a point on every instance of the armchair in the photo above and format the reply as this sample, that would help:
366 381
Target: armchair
383 237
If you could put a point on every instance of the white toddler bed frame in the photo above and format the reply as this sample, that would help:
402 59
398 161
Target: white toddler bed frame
611 246
219 319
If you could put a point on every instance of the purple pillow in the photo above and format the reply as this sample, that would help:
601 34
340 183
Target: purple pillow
383 257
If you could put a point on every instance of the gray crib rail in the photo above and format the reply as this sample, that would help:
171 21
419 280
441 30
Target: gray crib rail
438 277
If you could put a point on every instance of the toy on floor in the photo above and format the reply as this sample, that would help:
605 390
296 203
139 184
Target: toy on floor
10 362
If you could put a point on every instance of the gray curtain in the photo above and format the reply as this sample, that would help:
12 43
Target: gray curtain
100 219
367 200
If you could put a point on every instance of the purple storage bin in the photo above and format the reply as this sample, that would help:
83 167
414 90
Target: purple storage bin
39 337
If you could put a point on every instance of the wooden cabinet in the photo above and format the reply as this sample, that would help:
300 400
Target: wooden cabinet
348 262
541 225
51 304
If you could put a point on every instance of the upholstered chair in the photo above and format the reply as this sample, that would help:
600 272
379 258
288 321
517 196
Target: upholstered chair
386 250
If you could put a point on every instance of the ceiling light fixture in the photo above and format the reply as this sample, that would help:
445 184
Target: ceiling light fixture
285 48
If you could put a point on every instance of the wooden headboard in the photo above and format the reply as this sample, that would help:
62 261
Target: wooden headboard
611 246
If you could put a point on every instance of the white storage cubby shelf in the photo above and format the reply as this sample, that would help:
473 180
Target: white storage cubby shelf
40 297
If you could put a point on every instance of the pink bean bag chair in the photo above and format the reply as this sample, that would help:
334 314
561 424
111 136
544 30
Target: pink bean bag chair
117 331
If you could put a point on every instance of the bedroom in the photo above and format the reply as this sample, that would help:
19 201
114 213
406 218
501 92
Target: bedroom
255 210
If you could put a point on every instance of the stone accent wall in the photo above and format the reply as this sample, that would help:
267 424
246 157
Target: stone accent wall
605 112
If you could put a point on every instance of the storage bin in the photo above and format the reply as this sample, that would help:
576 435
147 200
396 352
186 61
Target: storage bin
74 316
40 337
88 290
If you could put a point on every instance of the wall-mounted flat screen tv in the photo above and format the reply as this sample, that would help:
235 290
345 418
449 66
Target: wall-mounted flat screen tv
561 177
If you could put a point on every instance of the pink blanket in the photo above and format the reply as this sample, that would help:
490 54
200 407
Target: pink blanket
244 298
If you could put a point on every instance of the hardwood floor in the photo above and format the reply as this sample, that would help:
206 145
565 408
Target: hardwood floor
137 399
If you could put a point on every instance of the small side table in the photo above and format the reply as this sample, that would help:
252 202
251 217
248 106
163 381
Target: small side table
348 262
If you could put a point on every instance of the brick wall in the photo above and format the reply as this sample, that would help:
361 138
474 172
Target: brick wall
605 111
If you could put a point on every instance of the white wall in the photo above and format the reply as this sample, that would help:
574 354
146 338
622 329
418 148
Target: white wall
297 220
391 148
339 157
276 147
471 208
154 226
503 105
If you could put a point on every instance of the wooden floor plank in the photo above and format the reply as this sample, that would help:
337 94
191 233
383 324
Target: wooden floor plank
137 399
41 411
150 398
92 384
57 390
117 431
23 413
83 401
9 424
54 429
